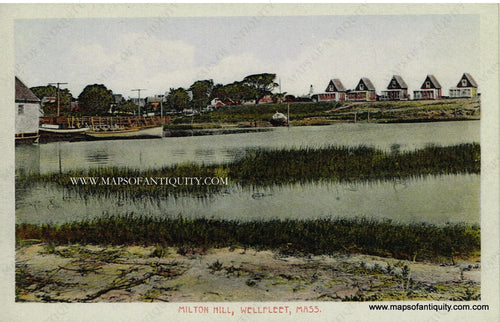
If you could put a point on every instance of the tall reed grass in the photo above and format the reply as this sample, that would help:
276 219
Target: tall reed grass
321 236
267 167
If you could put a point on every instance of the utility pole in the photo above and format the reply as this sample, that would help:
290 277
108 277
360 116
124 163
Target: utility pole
280 96
138 90
58 100
162 117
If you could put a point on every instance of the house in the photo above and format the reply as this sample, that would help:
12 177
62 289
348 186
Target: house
397 90
155 101
266 99
216 103
74 106
48 100
139 102
364 91
466 87
118 99
430 89
28 112
335 91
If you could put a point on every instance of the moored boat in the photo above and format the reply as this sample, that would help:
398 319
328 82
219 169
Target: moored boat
48 128
110 128
97 127
60 132
126 133
279 119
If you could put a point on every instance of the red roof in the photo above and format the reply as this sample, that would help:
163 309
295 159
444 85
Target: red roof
434 83
470 79
337 85
368 84
400 82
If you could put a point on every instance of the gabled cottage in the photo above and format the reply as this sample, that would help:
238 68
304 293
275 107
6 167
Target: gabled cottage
466 87
28 112
335 91
397 90
430 89
365 91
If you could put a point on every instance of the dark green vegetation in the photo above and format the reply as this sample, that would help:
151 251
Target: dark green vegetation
328 112
261 167
412 111
95 100
51 91
327 236
262 112
182 131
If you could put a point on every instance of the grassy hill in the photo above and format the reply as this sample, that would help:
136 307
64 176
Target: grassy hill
326 113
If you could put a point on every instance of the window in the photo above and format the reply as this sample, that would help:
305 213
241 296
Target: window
427 84
464 82
361 87
20 109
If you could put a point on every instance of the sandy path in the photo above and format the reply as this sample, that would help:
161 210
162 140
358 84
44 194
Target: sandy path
127 274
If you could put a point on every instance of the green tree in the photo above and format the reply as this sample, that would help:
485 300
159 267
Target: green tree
201 90
51 91
177 99
95 100
126 108
218 91
233 91
279 97
261 84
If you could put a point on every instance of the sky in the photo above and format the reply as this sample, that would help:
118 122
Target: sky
157 54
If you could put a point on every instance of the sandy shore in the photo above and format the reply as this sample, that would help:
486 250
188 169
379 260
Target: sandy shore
87 273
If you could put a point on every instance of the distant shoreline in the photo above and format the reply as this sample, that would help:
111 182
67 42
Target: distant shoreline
326 113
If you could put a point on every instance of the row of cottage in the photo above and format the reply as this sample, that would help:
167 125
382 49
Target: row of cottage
29 106
396 90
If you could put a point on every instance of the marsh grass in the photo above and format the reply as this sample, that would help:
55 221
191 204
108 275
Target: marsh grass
290 237
263 112
380 110
268 167
345 164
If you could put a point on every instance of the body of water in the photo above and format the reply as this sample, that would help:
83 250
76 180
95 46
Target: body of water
154 153
433 199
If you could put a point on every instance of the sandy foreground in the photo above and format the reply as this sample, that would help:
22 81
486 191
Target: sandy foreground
87 273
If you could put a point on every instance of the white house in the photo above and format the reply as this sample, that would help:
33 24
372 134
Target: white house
28 112
430 89
397 90
335 91
466 87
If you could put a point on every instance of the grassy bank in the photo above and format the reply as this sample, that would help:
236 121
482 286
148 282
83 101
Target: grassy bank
261 112
328 112
188 130
263 167
327 236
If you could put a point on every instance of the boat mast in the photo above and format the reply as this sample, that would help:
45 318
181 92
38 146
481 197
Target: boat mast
58 99
139 99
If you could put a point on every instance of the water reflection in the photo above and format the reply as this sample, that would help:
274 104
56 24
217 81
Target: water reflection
211 149
98 157
436 200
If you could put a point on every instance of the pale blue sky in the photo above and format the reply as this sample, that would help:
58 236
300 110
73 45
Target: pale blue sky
158 54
